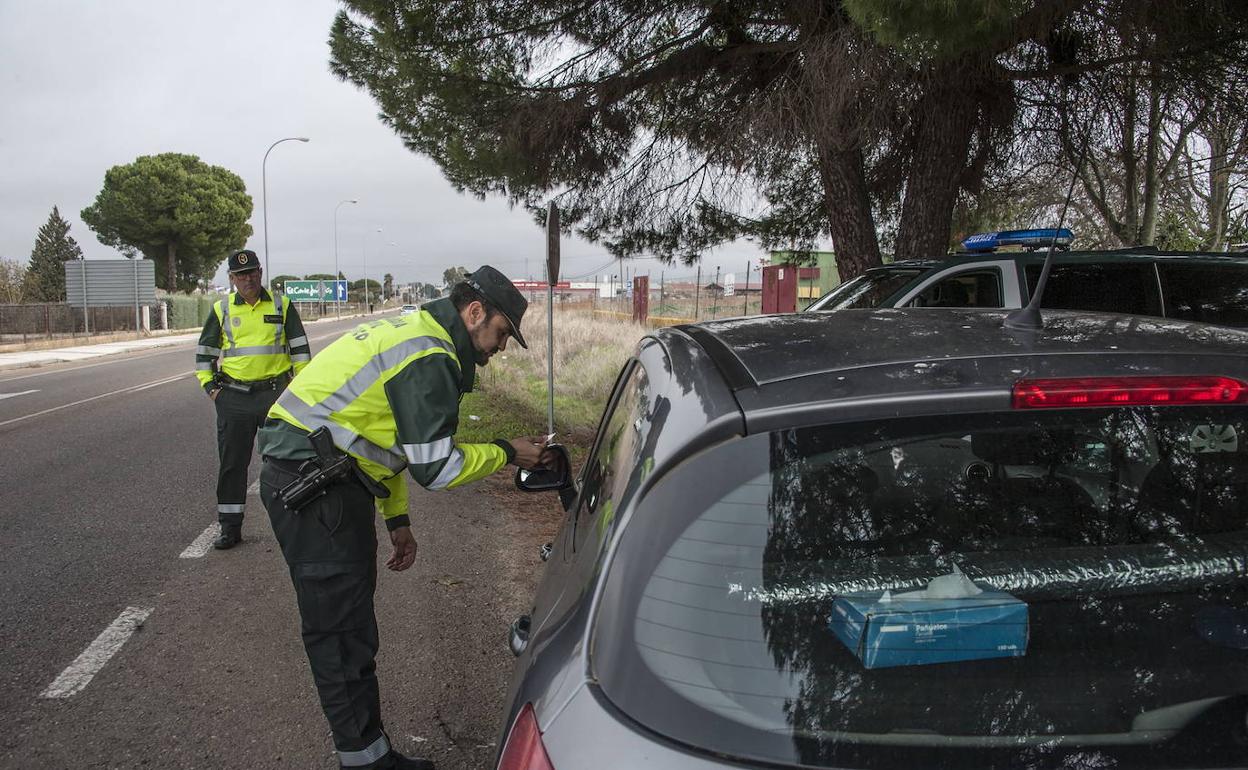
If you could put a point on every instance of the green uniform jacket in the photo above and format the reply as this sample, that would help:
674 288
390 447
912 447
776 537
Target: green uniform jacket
253 342
389 392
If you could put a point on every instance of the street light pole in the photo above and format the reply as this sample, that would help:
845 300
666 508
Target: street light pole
264 198
337 304
364 250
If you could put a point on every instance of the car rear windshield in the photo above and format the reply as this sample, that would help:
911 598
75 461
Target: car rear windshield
1048 588
867 290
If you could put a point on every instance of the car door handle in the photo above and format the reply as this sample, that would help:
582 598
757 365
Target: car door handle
518 636
545 550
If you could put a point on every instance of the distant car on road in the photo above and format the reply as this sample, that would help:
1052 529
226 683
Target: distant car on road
1193 286
951 546
409 309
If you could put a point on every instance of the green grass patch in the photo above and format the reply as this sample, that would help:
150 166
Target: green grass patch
497 418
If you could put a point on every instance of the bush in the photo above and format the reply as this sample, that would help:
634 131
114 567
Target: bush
189 311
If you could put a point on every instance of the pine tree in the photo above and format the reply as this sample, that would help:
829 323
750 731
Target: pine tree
45 275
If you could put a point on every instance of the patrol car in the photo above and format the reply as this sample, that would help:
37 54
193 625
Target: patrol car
1193 286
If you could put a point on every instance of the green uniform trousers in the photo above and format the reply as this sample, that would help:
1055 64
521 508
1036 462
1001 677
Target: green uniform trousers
239 415
330 546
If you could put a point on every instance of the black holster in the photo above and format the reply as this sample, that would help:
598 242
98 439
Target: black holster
330 466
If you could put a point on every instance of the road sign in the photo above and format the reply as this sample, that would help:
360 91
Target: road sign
316 291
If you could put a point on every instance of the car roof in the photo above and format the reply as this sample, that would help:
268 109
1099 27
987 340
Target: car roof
1127 255
776 366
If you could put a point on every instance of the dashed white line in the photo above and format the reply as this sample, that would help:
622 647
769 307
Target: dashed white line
79 673
20 393
200 545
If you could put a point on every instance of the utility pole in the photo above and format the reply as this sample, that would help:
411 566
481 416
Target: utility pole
745 290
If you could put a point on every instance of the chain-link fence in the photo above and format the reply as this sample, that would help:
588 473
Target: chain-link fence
29 322
36 322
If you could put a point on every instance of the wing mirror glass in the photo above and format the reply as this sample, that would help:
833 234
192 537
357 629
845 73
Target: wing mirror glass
552 479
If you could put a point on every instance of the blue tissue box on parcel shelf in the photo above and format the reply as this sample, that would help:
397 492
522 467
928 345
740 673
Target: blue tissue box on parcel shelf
915 632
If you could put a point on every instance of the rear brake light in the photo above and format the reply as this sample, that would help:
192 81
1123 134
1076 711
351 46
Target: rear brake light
1128 391
523 749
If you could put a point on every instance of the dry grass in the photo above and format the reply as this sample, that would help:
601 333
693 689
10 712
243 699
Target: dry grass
589 351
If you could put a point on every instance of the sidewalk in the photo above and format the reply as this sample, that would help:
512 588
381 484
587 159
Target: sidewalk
22 359
59 355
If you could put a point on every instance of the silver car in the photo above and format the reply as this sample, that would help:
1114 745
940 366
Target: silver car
893 538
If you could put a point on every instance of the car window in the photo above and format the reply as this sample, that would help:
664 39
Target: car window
1215 294
977 288
1080 579
620 438
1108 287
867 290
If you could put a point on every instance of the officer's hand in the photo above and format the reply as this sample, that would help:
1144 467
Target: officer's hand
404 554
212 394
528 451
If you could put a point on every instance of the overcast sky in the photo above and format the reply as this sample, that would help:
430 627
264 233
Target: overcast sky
88 85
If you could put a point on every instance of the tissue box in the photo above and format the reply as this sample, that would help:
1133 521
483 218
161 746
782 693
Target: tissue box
919 631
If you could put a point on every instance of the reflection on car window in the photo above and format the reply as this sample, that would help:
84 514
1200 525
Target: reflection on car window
979 288
1120 535
1209 293
867 290
617 450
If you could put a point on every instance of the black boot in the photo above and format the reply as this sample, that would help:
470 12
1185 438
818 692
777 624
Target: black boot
231 535
400 762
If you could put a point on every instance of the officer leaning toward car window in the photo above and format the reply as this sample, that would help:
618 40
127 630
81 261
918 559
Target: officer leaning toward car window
387 393
259 340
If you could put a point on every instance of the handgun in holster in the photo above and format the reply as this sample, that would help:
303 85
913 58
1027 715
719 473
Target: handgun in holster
222 381
329 467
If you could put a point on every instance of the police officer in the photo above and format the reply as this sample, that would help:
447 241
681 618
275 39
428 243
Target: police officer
259 340
388 394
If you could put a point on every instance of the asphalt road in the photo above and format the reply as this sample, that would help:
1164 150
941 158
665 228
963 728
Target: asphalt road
108 475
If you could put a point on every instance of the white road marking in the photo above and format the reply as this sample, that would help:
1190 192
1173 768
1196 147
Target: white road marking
254 489
79 673
200 545
132 389
11 395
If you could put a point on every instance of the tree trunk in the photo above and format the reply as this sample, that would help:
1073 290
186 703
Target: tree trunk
1152 161
171 253
848 206
947 116
1219 189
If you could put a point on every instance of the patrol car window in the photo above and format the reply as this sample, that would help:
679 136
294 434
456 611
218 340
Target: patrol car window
978 288
1082 602
867 290
1107 287
1216 294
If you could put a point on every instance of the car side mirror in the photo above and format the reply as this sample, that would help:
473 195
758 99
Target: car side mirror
556 478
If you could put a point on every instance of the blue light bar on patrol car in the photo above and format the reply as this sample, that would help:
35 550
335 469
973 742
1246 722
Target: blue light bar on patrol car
1031 239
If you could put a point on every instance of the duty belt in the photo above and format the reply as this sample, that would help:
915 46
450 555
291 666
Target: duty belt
251 386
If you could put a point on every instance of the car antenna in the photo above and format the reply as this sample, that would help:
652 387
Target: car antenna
1028 318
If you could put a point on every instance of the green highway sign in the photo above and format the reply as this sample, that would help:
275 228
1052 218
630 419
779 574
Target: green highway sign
316 291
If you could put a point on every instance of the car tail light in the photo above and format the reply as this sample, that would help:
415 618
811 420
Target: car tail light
523 749
1128 391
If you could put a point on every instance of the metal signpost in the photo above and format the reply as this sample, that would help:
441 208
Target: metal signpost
552 277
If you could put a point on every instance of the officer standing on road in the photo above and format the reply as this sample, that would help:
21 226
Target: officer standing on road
259 340
388 395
